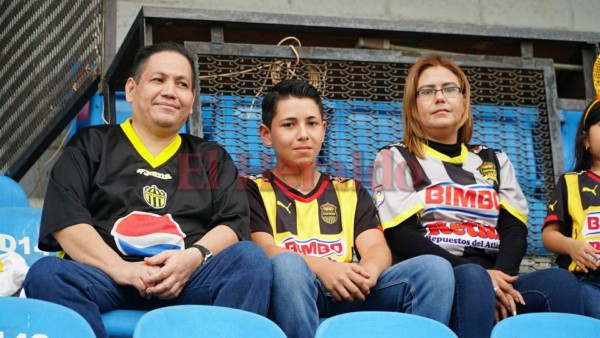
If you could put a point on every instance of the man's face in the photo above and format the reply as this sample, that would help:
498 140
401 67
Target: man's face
162 98
296 134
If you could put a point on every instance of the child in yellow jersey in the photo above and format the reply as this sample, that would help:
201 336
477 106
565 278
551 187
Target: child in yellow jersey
311 224
572 227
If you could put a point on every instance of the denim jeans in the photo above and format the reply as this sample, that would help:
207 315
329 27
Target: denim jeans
474 302
548 290
238 277
422 286
590 292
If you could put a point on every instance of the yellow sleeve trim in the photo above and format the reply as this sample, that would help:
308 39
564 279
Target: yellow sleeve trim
161 158
520 216
402 216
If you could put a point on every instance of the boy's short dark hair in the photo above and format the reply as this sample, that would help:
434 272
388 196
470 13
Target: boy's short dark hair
284 90
144 53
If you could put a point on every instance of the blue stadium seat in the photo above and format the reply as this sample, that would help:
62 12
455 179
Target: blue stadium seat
11 193
22 317
19 231
547 325
205 321
569 122
382 325
121 323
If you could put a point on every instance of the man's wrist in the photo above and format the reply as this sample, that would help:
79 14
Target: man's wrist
206 253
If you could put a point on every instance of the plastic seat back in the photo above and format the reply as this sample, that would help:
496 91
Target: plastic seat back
11 193
204 321
19 232
121 323
382 324
547 325
22 317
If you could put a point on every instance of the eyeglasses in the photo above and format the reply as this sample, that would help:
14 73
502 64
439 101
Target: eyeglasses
449 92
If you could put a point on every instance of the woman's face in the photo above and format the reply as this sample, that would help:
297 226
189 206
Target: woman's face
440 114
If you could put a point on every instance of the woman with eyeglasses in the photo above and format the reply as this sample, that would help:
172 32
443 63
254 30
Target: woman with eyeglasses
438 195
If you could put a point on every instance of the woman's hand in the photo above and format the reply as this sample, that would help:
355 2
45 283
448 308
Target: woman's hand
507 297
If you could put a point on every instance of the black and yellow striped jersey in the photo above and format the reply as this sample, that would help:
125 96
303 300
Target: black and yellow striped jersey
575 205
322 223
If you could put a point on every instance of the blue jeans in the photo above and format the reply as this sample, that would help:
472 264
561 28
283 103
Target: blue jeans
238 277
590 291
548 290
422 286
474 302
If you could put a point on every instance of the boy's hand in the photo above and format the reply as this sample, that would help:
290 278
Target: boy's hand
345 281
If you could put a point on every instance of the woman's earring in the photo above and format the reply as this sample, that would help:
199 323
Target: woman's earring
587 149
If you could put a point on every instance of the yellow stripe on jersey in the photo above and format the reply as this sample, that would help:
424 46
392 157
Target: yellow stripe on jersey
464 153
307 220
348 199
268 196
575 210
403 216
513 211
161 158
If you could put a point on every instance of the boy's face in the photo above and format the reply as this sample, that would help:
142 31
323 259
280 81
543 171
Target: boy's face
296 134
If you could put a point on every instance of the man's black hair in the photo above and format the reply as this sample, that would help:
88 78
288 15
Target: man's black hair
144 53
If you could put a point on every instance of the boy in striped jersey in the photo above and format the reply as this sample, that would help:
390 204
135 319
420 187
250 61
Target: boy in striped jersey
311 224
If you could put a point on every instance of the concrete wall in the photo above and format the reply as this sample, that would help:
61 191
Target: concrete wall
567 15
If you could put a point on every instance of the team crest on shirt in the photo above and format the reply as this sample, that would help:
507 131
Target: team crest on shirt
155 197
488 171
329 213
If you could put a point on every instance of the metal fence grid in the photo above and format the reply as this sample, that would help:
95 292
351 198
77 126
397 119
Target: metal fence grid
364 113
51 52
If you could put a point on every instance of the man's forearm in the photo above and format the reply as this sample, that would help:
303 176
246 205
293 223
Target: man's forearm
83 244
218 239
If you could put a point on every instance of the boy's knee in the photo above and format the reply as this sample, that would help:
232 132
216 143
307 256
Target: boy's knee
289 269
437 264
288 262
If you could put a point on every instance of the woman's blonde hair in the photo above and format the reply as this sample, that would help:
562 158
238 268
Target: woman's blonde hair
413 133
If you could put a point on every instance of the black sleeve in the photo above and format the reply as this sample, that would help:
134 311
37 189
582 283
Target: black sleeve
557 208
259 221
513 243
230 205
66 199
405 242
365 217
